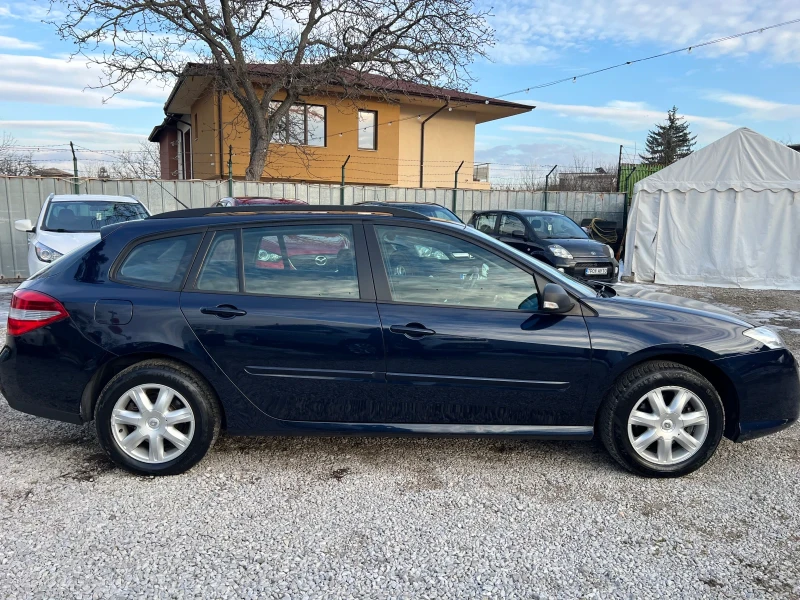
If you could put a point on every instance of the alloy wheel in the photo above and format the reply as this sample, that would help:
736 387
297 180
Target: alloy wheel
152 423
668 425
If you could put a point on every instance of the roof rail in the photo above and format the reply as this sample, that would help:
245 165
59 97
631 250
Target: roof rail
287 208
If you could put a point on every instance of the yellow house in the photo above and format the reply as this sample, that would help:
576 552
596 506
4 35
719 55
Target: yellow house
416 136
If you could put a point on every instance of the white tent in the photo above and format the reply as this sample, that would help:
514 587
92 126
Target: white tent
727 215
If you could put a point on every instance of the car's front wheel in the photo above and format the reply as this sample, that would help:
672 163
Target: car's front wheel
661 419
157 418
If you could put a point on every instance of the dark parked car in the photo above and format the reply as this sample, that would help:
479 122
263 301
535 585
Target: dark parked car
168 329
429 209
553 238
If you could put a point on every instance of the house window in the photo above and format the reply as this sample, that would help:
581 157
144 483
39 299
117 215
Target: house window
194 126
303 125
368 130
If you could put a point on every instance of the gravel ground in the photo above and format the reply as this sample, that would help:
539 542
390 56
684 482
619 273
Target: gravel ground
400 518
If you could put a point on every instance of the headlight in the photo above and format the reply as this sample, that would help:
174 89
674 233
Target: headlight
766 336
559 251
45 253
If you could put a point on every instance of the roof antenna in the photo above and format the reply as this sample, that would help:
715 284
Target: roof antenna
170 193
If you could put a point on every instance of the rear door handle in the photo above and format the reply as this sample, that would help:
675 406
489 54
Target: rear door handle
412 330
225 311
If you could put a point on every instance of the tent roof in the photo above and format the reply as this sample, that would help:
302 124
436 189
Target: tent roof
741 160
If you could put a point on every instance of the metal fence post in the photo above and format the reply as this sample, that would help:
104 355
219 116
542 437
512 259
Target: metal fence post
455 185
341 189
76 186
230 171
546 183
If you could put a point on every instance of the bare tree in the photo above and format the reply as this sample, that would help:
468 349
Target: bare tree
143 163
585 176
13 162
257 49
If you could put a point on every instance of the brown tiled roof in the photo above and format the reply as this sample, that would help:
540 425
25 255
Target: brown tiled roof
397 86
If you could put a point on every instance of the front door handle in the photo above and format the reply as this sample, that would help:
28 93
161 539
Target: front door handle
224 311
412 330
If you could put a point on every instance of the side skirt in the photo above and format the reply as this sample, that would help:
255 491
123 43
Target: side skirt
545 432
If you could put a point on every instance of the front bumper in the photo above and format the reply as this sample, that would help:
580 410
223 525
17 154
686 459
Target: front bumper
767 386
576 267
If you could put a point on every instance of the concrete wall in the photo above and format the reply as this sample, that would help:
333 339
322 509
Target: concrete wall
22 197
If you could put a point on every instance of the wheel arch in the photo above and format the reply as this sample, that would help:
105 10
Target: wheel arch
703 365
109 369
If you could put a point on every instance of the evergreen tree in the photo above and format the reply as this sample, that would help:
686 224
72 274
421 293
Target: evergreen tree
669 142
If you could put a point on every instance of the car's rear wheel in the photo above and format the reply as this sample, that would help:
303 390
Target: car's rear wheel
661 419
157 418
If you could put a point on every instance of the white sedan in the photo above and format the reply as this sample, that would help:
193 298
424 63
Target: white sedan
69 221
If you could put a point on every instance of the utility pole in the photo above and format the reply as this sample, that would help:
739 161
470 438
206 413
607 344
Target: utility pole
230 171
455 185
546 185
76 187
341 189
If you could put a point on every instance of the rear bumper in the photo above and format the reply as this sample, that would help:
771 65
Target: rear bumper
768 389
45 371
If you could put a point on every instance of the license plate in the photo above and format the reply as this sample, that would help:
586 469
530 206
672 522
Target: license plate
597 271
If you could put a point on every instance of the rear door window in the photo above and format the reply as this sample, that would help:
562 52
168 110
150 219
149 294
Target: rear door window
310 261
161 263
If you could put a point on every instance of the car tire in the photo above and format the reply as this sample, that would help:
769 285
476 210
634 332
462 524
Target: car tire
157 417
661 419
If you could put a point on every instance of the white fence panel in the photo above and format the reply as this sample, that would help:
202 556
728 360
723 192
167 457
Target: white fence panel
22 198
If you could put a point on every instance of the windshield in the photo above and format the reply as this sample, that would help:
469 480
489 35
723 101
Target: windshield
556 227
78 217
570 283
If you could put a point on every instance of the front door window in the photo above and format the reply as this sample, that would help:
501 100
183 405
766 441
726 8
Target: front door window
427 267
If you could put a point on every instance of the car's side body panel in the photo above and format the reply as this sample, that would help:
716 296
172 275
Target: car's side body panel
507 384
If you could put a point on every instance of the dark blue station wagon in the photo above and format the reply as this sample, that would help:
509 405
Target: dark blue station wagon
374 321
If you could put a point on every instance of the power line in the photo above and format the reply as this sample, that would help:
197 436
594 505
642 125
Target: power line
654 56
58 147
602 70
574 78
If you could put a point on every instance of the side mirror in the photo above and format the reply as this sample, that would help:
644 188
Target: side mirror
518 233
24 225
555 299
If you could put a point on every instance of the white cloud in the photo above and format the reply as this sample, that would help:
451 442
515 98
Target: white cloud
31 11
89 134
635 116
12 43
45 80
63 96
516 163
561 27
561 134
756 108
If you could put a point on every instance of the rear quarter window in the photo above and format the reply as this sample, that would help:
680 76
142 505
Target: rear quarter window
161 263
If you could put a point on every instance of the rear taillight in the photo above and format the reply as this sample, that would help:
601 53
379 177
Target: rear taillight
31 310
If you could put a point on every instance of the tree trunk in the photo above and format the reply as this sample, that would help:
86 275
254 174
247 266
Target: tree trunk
259 146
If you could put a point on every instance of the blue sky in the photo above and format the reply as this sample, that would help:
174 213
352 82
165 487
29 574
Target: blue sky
751 82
